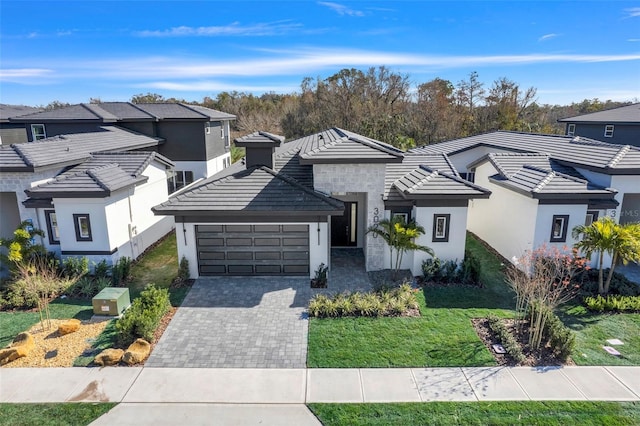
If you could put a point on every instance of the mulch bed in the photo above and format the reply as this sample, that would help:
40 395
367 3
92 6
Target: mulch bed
545 357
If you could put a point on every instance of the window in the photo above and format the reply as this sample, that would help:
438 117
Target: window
226 162
592 216
207 127
179 179
608 131
52 226
471 175
38 132
571 129
83 227
559 228
441 228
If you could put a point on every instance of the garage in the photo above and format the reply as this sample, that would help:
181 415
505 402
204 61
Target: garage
248 249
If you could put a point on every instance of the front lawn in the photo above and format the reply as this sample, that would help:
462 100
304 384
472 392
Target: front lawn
70 414
480 413
442 336
592 331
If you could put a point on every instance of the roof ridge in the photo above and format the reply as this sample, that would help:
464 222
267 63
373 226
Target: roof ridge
557 173
370 144
545 181
294 182
492 157
85 106
92 174
23 155
192 109
619 155
155 117
446 158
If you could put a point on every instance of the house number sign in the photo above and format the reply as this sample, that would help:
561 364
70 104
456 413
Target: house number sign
376 219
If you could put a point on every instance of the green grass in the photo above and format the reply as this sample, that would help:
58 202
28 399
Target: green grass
70 414
13 323
442 336
592 331
480 413
158 266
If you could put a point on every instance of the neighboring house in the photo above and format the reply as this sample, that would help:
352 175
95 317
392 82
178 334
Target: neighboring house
618 125
283 209
543 185
13 132
89 192
196 139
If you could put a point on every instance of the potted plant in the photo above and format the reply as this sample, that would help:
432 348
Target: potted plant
320 279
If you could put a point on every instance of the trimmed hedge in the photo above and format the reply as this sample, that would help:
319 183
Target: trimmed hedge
506 338
144 315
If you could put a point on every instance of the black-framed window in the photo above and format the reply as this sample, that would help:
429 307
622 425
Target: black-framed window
592 216
38 132
608 131
571 129
82 225
559 228
52 226
178 179
441 224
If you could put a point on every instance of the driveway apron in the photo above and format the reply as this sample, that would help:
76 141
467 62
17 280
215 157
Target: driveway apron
238 322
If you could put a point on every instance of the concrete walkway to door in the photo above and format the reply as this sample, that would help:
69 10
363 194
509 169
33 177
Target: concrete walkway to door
238 322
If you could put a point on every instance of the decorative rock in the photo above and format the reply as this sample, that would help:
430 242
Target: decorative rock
109 357
69 326
21 346
137 352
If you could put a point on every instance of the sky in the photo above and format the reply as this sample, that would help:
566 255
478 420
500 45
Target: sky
71 51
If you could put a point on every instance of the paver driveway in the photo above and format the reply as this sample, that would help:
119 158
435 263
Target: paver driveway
238 322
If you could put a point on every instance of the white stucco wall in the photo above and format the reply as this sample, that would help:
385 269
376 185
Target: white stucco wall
340 179
203 169
464 158
577 214
506 220
318 244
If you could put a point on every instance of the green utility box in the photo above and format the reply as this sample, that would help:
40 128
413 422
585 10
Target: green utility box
111 301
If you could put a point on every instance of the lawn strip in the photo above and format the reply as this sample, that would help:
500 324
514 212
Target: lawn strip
69 414
480 413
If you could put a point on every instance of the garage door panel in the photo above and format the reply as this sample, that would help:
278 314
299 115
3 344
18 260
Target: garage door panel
244 249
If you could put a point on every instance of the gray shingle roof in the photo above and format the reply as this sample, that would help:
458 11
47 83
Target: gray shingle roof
629 114
10 111
427 176
109 112
258 190
100 176
540 177
259 139
63 150
574 151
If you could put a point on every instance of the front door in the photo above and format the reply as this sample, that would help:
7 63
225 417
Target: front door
344 228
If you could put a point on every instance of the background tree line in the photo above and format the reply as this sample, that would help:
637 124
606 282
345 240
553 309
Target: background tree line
385 105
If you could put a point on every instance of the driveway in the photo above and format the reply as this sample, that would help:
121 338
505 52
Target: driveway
238 322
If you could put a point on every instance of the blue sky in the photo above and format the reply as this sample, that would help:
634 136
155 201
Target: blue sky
73 50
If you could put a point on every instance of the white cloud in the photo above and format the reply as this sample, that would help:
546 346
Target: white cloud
548 37
341 9
233 29
17 74
215 86
633 40
633 12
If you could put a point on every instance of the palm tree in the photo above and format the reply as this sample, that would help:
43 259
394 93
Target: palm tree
622 242
400 237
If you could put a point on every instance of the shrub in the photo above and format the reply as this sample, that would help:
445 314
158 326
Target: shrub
431 269
561 339
383 303
75 267
613 303
144 315
470 269
506 338
101 269
121 271
183 269
619 284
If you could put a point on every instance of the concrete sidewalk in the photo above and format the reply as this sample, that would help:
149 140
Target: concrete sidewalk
299 386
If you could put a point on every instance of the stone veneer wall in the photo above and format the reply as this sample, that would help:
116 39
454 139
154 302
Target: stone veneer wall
18 182
367 178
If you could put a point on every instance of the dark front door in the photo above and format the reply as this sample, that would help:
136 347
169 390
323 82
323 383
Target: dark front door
344 228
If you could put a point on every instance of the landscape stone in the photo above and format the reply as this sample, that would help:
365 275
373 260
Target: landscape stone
109 357
137 352
69 326
21 346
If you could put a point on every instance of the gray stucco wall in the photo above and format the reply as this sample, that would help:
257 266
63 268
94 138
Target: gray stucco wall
55 129
215 139
358 178
184 141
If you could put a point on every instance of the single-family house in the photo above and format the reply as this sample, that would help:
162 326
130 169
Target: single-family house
13 132
617 125
543 185
281 210
91 193
196 139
